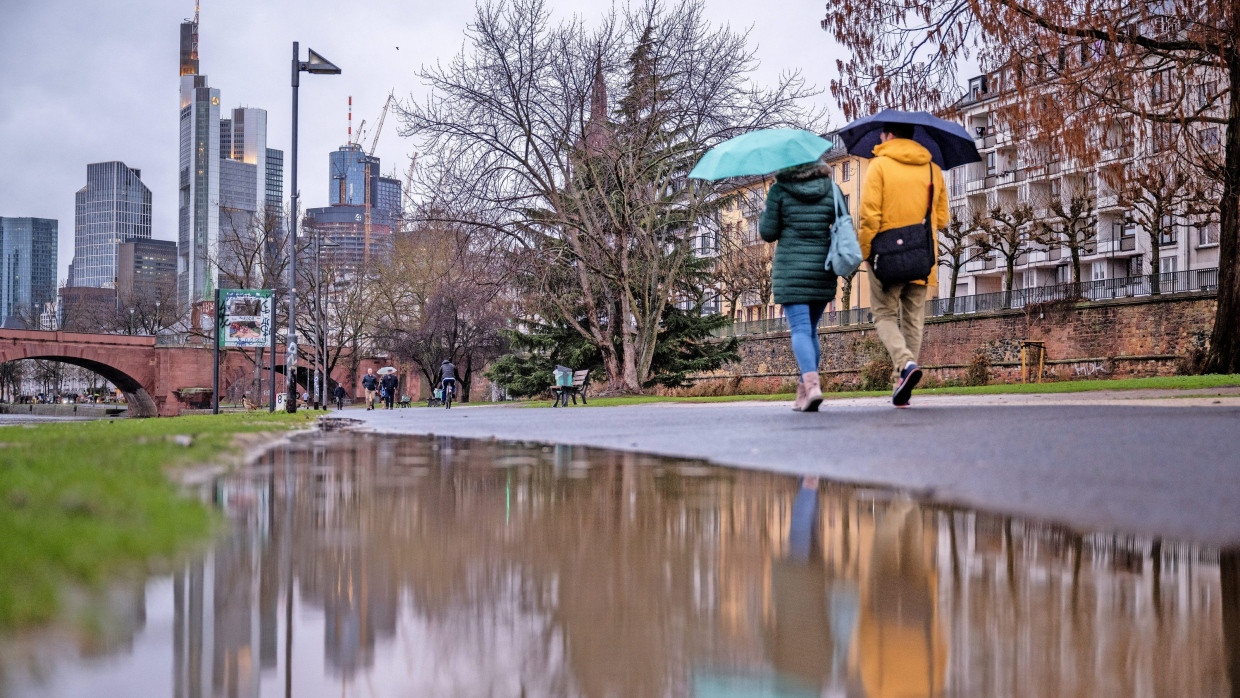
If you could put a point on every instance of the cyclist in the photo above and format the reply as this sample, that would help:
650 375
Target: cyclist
447 373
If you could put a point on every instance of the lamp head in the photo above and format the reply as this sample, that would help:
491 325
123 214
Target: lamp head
318 64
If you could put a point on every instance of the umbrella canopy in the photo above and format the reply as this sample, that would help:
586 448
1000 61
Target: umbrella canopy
949 144
386 370
760 152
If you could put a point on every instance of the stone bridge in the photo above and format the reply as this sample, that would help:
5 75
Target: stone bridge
150 376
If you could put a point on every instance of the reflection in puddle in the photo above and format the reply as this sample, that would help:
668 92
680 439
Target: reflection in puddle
379 566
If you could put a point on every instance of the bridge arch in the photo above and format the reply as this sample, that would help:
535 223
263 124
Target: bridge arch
138 399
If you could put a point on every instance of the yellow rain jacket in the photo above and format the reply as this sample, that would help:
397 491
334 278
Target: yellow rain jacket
895 192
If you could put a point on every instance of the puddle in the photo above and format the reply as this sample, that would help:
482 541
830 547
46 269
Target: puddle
362 565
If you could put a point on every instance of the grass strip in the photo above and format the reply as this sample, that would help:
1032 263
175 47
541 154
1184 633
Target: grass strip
82 501
1153 383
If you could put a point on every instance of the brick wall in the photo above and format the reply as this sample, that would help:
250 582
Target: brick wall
1121 338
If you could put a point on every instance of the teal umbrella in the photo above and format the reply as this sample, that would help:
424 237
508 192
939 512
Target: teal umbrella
760 152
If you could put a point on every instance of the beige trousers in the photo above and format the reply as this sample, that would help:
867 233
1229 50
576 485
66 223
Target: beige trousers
899 315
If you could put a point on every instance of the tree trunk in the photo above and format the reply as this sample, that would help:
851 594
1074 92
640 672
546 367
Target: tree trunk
1076 271
1009 282
1224 353
1154 265
951 298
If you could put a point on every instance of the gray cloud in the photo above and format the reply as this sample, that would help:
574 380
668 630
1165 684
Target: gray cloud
85 82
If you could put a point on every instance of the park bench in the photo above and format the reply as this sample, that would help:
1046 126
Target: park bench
581 383
404 401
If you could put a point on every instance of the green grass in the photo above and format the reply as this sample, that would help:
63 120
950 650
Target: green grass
83 501
1155 383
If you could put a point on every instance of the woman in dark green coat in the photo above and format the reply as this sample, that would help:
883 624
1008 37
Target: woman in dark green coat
800 208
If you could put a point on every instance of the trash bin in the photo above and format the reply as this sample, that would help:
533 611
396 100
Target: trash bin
563 376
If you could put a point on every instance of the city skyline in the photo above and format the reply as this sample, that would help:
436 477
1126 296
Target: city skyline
61 113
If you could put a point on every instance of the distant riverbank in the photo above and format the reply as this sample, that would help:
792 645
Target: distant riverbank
75 411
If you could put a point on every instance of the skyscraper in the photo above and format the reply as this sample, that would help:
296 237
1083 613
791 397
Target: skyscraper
354 185
27 268
113 206
230 182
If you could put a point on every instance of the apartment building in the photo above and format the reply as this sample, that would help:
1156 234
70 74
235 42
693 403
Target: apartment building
1038 174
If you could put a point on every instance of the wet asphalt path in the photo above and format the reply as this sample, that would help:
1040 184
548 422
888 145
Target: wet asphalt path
1166 468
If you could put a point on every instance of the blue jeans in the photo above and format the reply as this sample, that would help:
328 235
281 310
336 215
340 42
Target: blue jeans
803 325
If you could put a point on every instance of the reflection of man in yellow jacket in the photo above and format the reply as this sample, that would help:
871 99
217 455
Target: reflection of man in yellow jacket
899 649
896 193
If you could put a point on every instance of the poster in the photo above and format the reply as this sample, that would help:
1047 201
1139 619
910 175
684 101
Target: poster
247 319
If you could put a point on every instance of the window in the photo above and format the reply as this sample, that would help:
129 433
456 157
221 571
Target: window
1167 265
848 208
1205 93
1208 137
1160 137
1208 234
1063 274
1166 232
846 167
1098 271
990 163
1160 88
1136 266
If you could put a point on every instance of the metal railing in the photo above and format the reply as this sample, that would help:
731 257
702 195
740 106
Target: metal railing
1192 281
1171 283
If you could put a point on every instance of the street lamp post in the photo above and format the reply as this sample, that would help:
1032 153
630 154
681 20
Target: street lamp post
314 64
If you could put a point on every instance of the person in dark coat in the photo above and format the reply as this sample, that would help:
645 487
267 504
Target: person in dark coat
800 208
387 388
340 394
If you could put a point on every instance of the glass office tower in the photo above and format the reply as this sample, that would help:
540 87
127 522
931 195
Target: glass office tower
27 268
114 206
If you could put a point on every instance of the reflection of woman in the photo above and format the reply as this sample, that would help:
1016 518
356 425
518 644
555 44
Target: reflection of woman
900 650
799 640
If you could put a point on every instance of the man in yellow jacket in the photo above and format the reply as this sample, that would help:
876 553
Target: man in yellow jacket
896 193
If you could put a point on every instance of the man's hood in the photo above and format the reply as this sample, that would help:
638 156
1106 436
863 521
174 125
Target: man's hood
813 189
903 150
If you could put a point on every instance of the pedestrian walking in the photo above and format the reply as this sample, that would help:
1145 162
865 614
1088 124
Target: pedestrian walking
339 394
903 192
800 208
370 383
387 387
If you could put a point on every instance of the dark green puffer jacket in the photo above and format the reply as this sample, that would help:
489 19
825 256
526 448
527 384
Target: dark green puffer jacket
798 215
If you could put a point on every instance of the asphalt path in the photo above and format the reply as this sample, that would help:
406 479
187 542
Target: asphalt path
1151 464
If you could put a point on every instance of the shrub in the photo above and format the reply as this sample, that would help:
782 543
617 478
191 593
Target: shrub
978 372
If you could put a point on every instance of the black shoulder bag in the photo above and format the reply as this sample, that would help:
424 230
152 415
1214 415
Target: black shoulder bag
904 254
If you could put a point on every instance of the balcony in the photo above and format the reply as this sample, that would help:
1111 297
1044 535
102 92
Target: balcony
1005 178
1107 200
975 185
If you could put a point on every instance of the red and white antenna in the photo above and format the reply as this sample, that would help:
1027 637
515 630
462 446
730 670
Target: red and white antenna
350 139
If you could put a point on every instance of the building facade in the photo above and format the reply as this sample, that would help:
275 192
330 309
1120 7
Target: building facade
113 206
27 268
146 268
1118 247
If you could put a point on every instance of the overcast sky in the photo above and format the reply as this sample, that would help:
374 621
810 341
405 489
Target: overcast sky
91 81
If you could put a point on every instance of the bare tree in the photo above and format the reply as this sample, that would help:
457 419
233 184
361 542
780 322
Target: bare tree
1163 195
1072 223
958 245
520 138
443 295
1007 231
1071 65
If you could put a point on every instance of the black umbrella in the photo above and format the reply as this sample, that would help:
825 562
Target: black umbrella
949 144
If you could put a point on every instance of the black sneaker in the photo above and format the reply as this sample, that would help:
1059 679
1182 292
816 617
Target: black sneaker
909 378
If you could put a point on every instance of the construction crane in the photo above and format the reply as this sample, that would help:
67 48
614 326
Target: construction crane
368 185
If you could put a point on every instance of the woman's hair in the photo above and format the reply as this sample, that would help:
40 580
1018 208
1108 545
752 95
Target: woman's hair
807 171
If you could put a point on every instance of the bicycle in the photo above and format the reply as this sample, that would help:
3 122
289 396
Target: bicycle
449 392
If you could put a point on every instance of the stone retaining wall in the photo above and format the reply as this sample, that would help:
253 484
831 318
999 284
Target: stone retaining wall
1122 338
